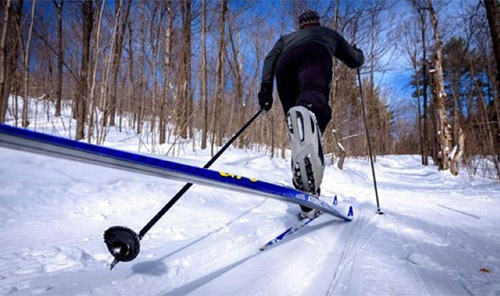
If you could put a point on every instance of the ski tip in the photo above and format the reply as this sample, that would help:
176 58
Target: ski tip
113 264
266 246
335 201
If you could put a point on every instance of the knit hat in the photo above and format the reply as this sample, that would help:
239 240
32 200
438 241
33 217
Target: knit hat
308 17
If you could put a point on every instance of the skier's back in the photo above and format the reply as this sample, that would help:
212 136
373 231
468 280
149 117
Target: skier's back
302 64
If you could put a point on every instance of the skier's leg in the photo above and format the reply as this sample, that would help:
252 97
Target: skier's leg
287 80
314 77
296 75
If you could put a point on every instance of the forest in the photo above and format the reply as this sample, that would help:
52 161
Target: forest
191 69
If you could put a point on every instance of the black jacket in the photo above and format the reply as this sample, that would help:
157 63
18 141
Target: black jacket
334 42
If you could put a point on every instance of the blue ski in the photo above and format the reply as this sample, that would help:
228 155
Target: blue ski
298 226
291 230
25 140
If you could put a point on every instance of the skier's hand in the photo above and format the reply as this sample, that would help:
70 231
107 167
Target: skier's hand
266 96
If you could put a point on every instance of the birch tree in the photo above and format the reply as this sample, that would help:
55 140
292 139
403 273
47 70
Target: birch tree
443 129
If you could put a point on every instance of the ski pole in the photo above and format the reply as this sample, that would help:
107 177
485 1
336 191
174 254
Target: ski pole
186 187
123 243
368 140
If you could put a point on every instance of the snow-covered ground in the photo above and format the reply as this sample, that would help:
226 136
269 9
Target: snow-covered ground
440 234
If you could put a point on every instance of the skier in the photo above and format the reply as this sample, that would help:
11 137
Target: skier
302 63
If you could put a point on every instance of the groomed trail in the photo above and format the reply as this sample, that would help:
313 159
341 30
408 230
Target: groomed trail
439 234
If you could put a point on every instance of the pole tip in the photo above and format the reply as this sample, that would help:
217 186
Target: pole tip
123 244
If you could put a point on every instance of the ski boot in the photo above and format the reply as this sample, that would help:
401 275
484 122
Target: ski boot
307 162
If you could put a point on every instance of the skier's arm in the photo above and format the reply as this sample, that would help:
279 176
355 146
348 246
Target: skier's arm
348 54
269 63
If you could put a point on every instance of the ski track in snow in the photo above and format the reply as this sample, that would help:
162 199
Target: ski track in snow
439 234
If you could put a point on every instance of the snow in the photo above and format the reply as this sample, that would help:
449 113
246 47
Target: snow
439 234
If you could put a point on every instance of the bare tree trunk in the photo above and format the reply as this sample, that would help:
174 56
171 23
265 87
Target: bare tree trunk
189 91
142 83
457 152
117 55
25 121
493 13
420 9
60 57
4 84
420 131
133 82
105 88
425 83
184 94
336 146
168 52
284 138
154 45
93 100
13 51
440 95
339 150
485 123
273 132
81 94
204 95
237 69
216 123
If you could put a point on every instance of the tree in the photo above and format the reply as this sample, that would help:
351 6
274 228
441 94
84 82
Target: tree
25 121
204 95
493 13
166 81
419 7
236 67
185 103
220 80
439 93
82 91
6 51
117 55
60 57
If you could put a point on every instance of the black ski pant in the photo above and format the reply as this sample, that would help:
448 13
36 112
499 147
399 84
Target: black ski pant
303 76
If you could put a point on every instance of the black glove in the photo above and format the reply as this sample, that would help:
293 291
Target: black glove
266 96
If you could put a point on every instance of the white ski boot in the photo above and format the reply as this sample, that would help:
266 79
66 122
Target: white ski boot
307 162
